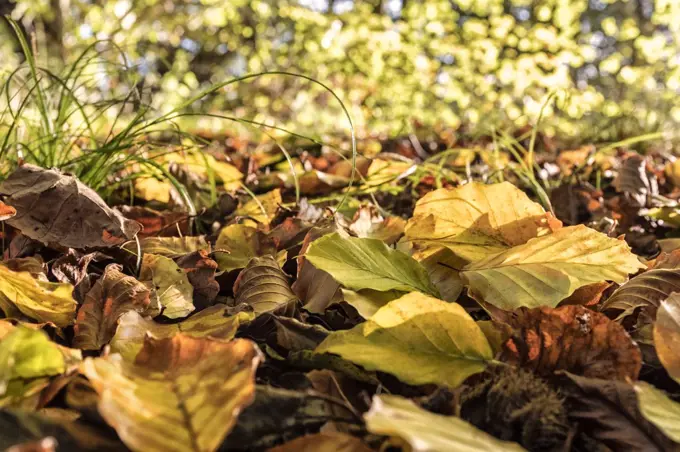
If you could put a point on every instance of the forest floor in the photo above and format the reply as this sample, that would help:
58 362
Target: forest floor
432 292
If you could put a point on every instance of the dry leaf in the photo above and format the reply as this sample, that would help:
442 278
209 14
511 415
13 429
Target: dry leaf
667 335
201 271
53 207
571 338
263 286
323 442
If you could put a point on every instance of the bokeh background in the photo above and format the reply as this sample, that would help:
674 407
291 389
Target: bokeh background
397 64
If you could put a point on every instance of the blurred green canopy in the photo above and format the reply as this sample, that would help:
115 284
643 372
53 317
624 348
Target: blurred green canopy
398 64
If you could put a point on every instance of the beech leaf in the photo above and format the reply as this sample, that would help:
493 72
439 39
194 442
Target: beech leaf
263 286
368 264
168 284
181 393
242 243
323 442
548 269
211 322
418 339
50 206
425 431
667 335
112 295
476 220
659 409
21 293
645 291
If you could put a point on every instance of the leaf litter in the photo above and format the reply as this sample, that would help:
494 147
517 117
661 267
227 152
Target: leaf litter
419 309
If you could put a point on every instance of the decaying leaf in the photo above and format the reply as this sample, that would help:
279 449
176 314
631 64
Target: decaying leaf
368 223
53 207
201 271
637 184
211 322
667 335
323 442
607 410
168 283
20 293
112 295
170 246
316 288
417 338
242 243
263 286
571 338
180 394
476 220
368 264
424 431
659 409
645 291
548 269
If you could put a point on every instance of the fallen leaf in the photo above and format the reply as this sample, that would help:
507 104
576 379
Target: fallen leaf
367 302
672 171
32 264
50 205
645 291
6 212
424 431
20 293
476 220
157 223
261 208
443 267
112 295
418 339
548 269
213 322
368 223
263 286
323 442
201 271
637 184
171 246
667 335
571 338
205 165
659 409
168 284
589 295
368 264
180 394
242 244
276 414
316 288
607 410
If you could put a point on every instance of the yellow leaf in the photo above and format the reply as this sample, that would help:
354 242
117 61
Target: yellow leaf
667 335
181 393
262 208
168 284
548 269
476 220
20 293
199 163
417 338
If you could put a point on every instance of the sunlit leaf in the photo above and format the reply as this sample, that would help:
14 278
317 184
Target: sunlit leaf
168 284
659 409
425 431
667 335
20 293
476 220
261 208
417 338
368 264
548 269
242 243
180 394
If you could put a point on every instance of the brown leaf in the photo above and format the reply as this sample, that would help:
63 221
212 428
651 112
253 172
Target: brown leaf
667 335
571 338
634 180
263 286
323 442
576 203
316 288
368 223
644 292
589 295
53 207
112 295
158 223
200 270
608 412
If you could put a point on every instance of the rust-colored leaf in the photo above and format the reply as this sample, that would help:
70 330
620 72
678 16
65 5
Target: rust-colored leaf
200 269
6 212
571 338
112 295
